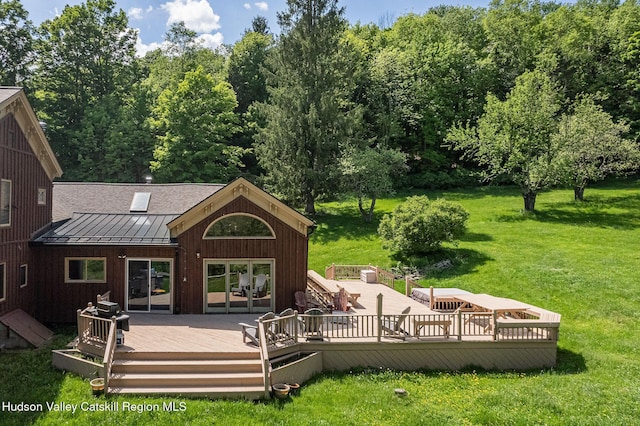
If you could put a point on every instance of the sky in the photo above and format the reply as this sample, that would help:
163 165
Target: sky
224 21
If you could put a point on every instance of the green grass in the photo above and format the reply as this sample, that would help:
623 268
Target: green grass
578 259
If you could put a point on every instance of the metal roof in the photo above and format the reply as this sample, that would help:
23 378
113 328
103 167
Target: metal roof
110 229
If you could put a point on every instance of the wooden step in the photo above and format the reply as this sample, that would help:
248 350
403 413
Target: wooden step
184 379
186 355
186 366
213 392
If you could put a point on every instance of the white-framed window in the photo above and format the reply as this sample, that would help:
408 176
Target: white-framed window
5 202
85 269
239 225
42 197
3 281
23 275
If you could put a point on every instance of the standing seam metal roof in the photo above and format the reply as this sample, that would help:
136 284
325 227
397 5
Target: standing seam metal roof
111 229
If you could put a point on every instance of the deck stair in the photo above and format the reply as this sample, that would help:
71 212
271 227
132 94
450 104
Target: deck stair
194 374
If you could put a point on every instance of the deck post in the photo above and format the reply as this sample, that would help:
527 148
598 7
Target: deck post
296 326
459 324
495 325
379 316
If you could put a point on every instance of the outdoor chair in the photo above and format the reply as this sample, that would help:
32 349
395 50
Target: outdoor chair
313 324
301 301
250 331
243 285
259 288
393 326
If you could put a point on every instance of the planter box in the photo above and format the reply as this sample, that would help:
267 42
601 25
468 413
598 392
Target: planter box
70 360
298 371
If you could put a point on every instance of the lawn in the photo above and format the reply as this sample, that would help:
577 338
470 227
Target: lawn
578 259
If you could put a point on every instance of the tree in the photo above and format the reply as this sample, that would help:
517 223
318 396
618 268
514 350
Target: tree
245 75
369 173
85 61
195 120
514 137
592 146
16 43
419 225
309 113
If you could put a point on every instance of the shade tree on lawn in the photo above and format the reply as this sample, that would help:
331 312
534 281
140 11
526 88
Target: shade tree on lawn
593 146
513 138
369 173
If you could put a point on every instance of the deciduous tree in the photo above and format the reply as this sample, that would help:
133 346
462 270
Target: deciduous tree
592 146
514 137
16 43
195 121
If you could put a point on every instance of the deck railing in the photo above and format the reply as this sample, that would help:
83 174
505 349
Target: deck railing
352 272
297 328
97 337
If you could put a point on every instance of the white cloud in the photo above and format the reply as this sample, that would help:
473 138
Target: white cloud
142 49
262 5
135 13
196 14
212 41
247 6
150 9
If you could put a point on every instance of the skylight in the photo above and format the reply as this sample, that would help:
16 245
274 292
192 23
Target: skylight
140 202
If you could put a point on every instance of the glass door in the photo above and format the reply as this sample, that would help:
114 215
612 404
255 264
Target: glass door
149 285
238 285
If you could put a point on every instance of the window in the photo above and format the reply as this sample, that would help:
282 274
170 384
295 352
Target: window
42 197
239 226
23 275
86 270
3 280
5 202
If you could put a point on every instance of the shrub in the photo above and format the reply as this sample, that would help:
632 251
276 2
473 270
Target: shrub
420 225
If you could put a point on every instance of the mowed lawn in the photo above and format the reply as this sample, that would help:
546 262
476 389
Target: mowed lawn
578 259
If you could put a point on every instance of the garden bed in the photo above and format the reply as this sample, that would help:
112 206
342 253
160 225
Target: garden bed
75 361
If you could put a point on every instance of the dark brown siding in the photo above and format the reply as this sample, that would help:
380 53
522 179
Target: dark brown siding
20 165
58 301
289 250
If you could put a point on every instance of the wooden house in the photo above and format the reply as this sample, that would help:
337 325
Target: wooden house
174 248
27 170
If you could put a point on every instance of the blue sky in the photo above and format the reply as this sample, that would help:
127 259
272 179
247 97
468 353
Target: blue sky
224 21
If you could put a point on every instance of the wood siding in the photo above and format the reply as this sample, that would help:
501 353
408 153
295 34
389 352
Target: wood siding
20 165
289 249
58 301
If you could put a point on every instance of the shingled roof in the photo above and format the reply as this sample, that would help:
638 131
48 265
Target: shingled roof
116 198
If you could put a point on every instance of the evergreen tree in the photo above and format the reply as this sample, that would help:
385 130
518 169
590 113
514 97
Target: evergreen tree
309 115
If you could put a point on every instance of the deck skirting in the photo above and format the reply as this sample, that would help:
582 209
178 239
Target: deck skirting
450 355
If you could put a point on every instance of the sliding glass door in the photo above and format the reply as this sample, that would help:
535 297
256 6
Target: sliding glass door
244 285
149 285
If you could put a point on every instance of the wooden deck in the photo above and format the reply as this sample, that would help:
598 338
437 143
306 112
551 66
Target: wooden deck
186 333
204 355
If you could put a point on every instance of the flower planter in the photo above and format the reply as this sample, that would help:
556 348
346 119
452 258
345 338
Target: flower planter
76 362
97 386
281 390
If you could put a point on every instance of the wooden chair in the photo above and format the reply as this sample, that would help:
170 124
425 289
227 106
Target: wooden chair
301 301
259 288
250 331
393 326
313 324
243 285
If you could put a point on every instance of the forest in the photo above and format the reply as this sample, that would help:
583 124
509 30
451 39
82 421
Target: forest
535 94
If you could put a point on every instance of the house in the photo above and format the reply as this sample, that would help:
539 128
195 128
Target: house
174 248
27 170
